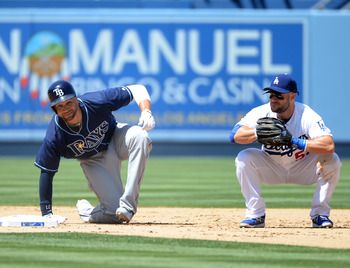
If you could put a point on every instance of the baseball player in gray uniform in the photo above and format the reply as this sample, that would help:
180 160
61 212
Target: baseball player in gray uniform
84 128
308 159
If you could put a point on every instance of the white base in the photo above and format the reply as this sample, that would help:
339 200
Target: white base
28 221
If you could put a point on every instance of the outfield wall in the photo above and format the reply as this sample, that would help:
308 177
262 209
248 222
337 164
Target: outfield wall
204 68
164 149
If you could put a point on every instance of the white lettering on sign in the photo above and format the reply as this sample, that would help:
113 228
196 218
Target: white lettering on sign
182 55
161 47
203 91
80 55
202 57
196 49
267 65
130 51
10 56
237 52
11 91
199 91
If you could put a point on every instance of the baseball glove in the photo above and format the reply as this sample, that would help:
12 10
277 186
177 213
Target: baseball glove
272 131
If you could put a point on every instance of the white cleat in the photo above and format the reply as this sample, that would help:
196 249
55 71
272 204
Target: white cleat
84 208
124 215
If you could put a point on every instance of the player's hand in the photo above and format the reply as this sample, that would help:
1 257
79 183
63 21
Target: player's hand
146 120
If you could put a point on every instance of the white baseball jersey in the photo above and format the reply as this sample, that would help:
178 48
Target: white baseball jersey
304 123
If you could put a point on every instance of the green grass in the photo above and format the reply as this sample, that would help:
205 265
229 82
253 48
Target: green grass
170 181
83 250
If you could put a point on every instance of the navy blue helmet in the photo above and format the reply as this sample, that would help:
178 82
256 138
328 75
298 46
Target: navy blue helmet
60 91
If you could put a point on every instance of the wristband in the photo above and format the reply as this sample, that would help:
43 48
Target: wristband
255 135
139 93
300 143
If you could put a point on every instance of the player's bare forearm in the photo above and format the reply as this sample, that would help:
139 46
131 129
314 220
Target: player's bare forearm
141 97
245 135
321 145
145 105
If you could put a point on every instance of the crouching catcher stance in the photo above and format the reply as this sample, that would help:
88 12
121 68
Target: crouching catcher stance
297 148
84 128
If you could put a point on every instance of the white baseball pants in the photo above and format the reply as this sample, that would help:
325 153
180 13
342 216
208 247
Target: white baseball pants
254 167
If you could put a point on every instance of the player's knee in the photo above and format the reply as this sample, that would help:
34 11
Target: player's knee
336 160
143 137
140 138
333 162
332 167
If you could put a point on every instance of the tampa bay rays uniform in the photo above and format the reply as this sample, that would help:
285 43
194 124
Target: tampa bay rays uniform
284 164
100 144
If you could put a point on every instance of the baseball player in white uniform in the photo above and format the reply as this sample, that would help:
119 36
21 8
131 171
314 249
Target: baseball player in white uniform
310 158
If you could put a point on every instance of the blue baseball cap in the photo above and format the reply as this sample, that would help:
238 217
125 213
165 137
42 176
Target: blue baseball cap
283 83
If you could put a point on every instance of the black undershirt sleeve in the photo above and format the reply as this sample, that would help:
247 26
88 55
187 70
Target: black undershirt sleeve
45 192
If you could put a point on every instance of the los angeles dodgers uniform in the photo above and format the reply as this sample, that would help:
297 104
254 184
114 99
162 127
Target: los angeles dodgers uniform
284 164
100 144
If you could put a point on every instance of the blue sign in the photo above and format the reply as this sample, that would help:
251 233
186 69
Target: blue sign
202 76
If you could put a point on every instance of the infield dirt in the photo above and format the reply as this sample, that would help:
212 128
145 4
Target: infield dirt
283 226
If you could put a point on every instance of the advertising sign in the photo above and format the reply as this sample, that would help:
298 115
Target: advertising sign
203 75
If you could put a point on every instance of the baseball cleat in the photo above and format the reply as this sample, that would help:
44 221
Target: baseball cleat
258 222
124 215
321 221
84 208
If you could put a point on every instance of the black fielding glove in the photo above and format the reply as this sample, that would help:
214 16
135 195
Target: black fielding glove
272 131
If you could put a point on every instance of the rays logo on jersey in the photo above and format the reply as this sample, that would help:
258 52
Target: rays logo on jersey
91 141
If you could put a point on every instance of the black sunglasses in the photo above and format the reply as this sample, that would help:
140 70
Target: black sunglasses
276 94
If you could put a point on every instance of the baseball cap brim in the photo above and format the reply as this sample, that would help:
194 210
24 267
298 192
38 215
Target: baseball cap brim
62 99
278 89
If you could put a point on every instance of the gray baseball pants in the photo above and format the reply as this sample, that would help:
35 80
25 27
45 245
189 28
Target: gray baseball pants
103 172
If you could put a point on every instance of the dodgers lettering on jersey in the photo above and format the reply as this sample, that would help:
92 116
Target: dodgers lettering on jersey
305 123
283 149
97 128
